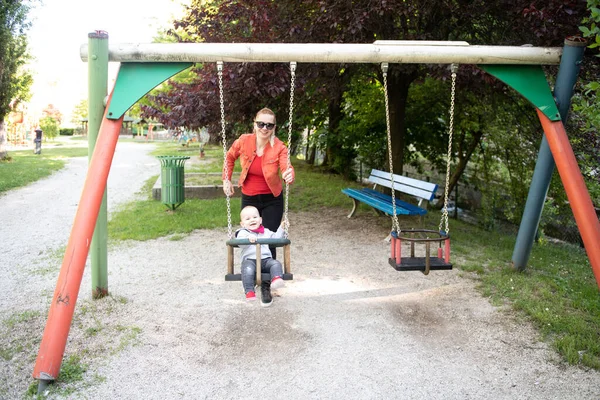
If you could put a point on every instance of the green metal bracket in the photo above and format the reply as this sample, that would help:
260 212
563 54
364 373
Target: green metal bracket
530 82
136 79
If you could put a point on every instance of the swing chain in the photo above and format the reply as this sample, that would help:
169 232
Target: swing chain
395 223
286 221
224 141
444 220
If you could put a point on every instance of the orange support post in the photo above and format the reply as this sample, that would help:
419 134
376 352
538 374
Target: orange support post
54 340
577 193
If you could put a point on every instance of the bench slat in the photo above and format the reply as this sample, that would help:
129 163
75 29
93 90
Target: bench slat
381 203
414 187
413 209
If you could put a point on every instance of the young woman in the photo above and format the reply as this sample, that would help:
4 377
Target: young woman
262 157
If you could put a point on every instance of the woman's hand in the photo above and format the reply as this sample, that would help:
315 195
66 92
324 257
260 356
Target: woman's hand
228 188
288 175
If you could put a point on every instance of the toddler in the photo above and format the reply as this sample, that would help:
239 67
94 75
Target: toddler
252 229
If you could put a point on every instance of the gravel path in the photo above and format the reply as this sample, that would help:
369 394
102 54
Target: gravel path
348 326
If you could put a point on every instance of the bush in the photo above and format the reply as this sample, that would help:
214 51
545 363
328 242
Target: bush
66 131
49 127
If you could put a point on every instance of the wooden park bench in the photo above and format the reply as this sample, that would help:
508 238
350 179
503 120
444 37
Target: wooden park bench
422 191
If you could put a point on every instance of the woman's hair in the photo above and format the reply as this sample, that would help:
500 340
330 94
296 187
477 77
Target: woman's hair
268 111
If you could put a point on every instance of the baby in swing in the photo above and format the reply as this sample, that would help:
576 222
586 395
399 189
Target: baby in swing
252 229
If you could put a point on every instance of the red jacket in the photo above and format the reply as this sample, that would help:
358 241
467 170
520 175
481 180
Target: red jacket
274 159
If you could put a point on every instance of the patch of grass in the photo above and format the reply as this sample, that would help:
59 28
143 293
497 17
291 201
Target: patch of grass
314 189
557 291
149 219
48 263
21 334
129 337
72 369
24 167
22 317
176 237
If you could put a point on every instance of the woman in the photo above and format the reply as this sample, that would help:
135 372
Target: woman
262 156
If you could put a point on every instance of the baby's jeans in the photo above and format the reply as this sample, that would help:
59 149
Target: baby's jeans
249 271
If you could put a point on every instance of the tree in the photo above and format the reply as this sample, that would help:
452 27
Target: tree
359 21
80 112
52 112
14 80
49 127
586 105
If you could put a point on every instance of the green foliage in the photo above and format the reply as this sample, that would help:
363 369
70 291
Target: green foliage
586 107
427 120
591 29
49 127
80 112
502 164
586 138
15 81
66 131
363 127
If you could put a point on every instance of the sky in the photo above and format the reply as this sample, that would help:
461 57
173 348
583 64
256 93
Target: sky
60 27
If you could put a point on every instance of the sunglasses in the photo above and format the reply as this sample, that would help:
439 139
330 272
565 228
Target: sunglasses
262 125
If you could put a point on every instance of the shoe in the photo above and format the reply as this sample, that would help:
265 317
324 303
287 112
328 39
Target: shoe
250 296
266 297
277 283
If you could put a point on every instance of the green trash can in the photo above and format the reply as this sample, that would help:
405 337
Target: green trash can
172 179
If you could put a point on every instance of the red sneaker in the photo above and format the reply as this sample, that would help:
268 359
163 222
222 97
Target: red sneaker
277 283
250 296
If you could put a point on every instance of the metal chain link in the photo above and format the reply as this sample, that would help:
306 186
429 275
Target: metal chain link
224 141
444 219
286 221
395 223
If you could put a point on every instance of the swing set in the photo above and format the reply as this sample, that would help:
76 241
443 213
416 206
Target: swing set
144 66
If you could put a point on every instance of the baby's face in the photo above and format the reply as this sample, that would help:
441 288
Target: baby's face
250 219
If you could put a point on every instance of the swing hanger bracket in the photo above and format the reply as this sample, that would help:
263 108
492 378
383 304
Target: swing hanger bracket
384 67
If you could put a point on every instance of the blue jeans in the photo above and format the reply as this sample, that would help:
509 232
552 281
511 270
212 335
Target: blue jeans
268 265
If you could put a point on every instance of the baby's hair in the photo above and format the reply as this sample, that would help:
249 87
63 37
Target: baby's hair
247 208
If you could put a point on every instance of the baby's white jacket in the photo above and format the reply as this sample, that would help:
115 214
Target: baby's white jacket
249 251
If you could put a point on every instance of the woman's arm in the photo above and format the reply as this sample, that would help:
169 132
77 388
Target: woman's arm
232 155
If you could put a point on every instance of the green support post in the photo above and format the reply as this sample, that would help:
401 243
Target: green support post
97 92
